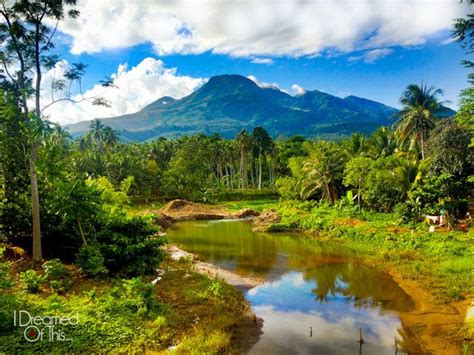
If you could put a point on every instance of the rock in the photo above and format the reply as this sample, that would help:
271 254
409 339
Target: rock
266 218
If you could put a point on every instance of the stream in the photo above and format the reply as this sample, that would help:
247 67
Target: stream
318 296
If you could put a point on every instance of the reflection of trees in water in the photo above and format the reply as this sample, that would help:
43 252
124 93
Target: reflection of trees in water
332 266
232 245
364 286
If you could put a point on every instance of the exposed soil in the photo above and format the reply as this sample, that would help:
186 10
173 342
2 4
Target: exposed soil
181 210
213 271
435 326
266 218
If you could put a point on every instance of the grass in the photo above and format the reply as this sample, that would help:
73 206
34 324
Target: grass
258 205
184 311
445 257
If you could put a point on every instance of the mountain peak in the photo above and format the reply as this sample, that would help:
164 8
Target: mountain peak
230 102
229 79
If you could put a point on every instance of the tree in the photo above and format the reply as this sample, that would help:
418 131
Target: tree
464 33
324 169
26 42
262 145
420 105
245 143
449 153
381 143
355 174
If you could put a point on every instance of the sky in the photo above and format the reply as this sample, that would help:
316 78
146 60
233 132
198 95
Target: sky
367 48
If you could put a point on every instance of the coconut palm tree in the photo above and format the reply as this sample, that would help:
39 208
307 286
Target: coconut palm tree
420 105
324 170
244 141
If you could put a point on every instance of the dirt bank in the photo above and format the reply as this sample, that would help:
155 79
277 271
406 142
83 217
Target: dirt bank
214 271
180 210
434 325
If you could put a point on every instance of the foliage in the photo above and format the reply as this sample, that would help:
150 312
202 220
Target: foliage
129 246
91 261
57 275
420 105
31 280
6 281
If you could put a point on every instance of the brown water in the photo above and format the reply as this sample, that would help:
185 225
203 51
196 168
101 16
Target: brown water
318 286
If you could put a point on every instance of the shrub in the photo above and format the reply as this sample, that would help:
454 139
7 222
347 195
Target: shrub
6 281
58 275
129 246
32 280
91 261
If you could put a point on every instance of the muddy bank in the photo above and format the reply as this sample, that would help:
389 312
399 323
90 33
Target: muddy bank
182 210
435 326
247 331
213 271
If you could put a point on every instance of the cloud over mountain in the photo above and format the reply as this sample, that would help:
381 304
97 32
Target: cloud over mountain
258 28
134 88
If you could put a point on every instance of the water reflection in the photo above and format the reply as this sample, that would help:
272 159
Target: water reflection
319 285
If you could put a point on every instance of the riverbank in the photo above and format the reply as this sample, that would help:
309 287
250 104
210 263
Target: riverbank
435 269
178 309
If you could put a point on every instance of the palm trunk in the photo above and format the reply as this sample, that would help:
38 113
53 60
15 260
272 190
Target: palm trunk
422 141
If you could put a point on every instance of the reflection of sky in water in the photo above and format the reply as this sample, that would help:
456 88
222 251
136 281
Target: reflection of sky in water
289 308
317 284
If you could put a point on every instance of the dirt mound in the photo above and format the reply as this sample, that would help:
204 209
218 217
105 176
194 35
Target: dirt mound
176 205
180 210
163 221
266 218
245 213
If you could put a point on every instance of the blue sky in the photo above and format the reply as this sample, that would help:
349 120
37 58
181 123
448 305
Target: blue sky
157 48
436 63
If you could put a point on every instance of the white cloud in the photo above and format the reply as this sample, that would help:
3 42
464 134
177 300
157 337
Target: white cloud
258 28
371 56
297 90
262 60
135 88
263 84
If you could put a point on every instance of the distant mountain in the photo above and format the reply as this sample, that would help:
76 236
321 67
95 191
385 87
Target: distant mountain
228 103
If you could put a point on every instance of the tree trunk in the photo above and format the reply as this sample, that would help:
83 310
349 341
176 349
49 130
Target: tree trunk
422 146
260 171
35 206
81 232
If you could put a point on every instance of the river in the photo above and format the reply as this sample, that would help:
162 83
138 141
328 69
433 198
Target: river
318 296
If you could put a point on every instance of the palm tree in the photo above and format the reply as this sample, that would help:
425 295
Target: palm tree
420 104
109 137
96 132
245 143
381 143
324 169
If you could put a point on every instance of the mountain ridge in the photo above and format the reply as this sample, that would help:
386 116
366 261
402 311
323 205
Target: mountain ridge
228 103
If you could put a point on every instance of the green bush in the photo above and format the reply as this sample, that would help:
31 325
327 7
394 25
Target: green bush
6 282
32 280
91 261
129 245
58 275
